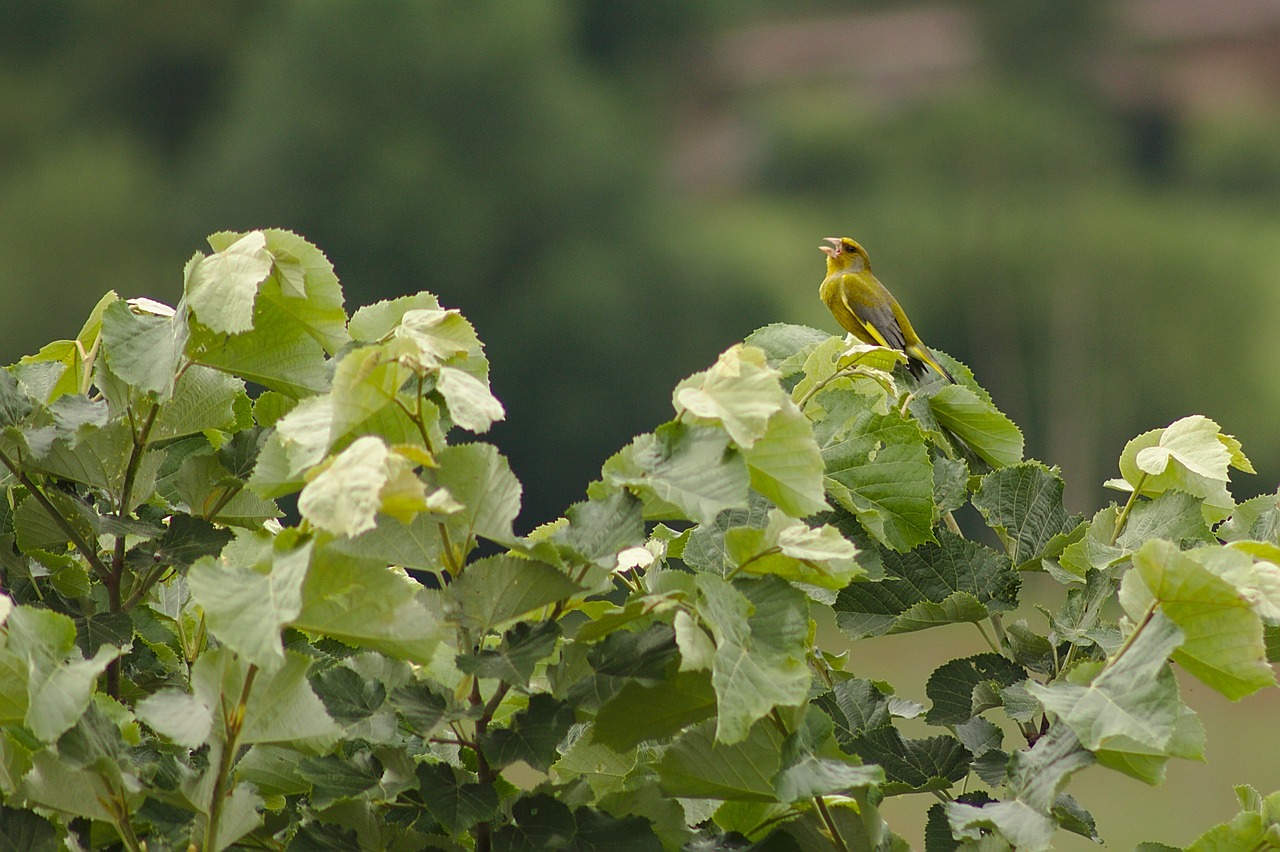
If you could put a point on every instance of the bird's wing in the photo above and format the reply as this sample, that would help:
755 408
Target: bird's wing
879 322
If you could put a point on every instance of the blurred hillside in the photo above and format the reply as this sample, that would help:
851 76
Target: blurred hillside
1078 200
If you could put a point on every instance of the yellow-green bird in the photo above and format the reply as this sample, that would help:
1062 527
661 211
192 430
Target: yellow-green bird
863 306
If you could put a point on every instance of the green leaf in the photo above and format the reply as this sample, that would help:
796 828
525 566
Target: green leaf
369 605
533 735
991 435
913 765
203 399
740 392
706 551
1135 699
760 629
951 686
499 589
1023 504
855 705
878 468
544 822
937 583
103 628
247 606
812 765
786 466
1037 776
652 712
187 538
1172 515
794 551
478 477
599 529
522 648
681 471
1148 764
416 544
699 765
1223 646
142 349
421 706
334 777
453 801
23 831
221 288
348 696
1257 519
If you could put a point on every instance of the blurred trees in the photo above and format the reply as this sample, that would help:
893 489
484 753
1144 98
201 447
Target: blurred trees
516 159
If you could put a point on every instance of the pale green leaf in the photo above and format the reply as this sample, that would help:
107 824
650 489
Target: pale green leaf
368 605
365 381
371 323
471 404
246 606
740 392
222 287
793 550
143 350
759 628
181 717
365 478
1223 646
1194 443
786 465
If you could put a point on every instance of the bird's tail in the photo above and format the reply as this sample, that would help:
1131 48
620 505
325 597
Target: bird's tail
918 356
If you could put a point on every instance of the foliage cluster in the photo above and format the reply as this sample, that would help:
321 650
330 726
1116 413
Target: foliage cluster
180 668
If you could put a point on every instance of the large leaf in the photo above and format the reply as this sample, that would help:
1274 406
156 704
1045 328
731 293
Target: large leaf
682 471
991 435
1023 504
246 606
740 392
937 583
1223 645
878 468
759 629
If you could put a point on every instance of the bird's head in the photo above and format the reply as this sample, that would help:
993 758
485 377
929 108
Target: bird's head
844 255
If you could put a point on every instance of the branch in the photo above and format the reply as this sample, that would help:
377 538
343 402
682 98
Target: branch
90 553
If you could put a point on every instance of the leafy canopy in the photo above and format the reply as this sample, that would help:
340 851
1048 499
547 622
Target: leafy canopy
398 666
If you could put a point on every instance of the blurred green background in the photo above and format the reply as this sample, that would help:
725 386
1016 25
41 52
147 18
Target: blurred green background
1079 199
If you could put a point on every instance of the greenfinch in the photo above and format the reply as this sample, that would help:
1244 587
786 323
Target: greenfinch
863 306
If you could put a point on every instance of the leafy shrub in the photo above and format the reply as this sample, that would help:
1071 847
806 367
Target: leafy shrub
180 669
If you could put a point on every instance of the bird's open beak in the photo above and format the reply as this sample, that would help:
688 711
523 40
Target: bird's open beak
833 249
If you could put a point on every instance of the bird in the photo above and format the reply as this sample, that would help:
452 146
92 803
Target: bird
865 307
